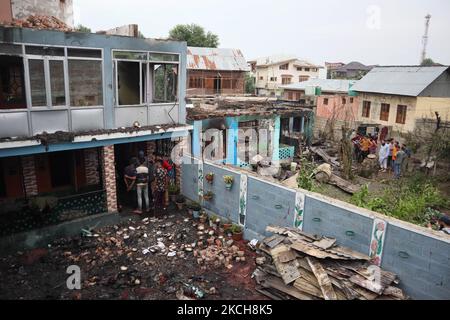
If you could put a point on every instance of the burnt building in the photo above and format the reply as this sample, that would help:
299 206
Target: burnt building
213 71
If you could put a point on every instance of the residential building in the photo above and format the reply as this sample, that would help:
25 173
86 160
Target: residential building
21 9
332 65
353 70
404 97
274 71
74 108
248 127
335 106
213 71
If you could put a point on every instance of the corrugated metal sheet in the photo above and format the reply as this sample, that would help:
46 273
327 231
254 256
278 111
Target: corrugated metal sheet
406 81
216 59
282 58
327 85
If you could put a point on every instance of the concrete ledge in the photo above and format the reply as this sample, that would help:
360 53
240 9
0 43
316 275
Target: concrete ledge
41 237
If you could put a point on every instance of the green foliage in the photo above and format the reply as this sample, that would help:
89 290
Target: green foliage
236 229
194 35
428 62
249 84
411 200
173 189
81 28
141 35
228 179
305 178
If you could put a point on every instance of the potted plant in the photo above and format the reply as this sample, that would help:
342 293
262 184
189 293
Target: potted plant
179 201
174 190
203 217
236 232
227 225
195 208
208 196
228 181
209 177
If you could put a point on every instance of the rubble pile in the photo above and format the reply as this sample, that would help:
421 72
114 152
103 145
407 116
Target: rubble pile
174 256
296 265
42 22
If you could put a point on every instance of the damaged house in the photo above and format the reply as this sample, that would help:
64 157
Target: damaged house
215 71
74 108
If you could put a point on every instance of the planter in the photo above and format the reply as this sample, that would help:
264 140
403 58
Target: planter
226 226
228 185
237 236
209 178
203 219
179 205
208 197
195 213
173 197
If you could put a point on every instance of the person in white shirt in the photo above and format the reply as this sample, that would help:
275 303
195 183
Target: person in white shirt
383 156
142 187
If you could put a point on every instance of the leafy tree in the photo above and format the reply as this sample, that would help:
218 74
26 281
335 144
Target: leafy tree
141 35
81 28
194 35
429 62
249 84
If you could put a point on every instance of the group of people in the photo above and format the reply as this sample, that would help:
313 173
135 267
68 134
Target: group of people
391 155
394 157
146 181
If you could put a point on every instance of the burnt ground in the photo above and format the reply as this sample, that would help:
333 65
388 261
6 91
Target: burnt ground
114 265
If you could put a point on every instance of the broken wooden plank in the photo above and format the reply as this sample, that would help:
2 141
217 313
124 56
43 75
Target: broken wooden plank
374 286
303 285
322 278
328 159
316 252
344 184
287 256
273 282
325 243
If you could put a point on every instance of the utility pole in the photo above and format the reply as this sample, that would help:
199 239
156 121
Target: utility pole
425 37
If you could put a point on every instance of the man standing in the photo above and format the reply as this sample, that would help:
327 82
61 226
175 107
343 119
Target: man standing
160 185
383 156
399 157
142 187
129 178
406 160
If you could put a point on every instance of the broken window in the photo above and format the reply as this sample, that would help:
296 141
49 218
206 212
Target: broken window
128 82
366 109
12 85
85 82
165 82
37 82
297 127
384 112
57 82
401 114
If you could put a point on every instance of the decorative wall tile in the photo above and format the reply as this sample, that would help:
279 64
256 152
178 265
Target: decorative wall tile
200 179
377 241
299 209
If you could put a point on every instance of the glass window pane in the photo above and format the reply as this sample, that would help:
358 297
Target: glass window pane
130 55
128 83
163 57
44 51
12 85
57 83
85 83
84 53
10 48
37 83
165 79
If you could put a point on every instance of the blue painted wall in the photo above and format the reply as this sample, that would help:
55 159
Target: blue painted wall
423 274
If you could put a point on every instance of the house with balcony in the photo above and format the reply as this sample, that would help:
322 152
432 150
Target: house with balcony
275 71
215 71
402 98
74 108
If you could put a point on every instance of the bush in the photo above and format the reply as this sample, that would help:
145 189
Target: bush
305 178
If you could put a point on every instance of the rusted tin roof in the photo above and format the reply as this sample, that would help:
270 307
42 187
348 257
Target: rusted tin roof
216 59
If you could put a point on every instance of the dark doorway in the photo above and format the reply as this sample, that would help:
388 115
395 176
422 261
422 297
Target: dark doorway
61 169
218 84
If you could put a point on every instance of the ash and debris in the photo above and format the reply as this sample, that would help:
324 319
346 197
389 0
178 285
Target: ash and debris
41 22
171 257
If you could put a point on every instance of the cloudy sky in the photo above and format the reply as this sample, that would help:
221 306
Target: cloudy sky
385 32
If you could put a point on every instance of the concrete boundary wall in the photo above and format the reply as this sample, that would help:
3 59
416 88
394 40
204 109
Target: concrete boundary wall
420 257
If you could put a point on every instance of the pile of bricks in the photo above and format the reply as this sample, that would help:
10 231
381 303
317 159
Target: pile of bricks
217 251
42 22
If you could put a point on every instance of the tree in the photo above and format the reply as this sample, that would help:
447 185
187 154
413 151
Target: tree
194 35
141 35
81 28
429 62
249 84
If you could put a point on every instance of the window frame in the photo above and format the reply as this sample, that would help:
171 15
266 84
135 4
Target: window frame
404 113
366 106
25 71
383 113
147 62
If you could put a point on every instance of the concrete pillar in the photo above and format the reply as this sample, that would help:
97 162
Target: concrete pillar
91 166
29 176
232 140
109 177
197 141
276 139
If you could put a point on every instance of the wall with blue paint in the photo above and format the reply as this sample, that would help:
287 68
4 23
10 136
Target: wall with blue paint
420 257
